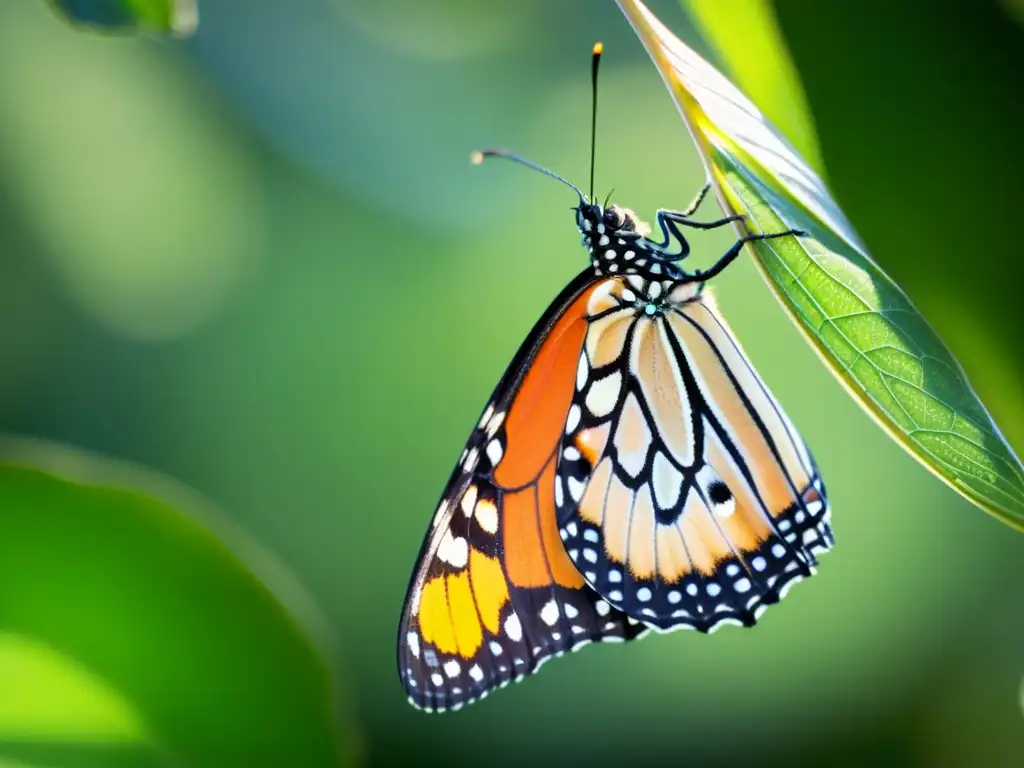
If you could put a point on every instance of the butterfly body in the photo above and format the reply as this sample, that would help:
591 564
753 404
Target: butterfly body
630 472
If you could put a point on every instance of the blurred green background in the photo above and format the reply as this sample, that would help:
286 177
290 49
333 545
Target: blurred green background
259 261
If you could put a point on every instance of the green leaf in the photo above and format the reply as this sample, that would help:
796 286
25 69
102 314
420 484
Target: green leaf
130 623
863 326
918 138
751 45
175 17
45 692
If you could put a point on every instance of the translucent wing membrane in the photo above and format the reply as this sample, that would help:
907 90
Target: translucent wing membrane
494 593
685 496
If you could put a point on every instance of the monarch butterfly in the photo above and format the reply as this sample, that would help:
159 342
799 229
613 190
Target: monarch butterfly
630 472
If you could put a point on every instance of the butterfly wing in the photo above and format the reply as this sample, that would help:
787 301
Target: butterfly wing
494 594
685 496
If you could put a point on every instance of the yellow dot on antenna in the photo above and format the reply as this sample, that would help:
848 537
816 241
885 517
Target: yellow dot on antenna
598 49
476 157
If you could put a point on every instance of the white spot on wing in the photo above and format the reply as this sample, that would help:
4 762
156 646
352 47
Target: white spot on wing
726 508
573 420
453 550
575 488
513 628
487 515
413 639
549 613
495 423
452 668
468 500
442 509
494 452
486 415
582 372
603 394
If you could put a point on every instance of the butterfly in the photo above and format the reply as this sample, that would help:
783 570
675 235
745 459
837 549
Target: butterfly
631 472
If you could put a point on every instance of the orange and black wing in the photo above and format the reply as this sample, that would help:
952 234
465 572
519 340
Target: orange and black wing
685 496
494 593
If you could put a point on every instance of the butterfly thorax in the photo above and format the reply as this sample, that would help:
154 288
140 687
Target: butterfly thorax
617 249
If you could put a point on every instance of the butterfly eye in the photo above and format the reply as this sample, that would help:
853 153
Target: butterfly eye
613 218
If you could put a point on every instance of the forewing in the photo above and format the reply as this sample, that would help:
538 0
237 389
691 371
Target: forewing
685 496
494 594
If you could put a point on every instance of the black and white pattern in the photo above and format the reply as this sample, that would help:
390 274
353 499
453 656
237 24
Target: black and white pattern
674 512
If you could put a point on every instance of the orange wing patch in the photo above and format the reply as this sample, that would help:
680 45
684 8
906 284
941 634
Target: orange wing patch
536 418
534 555
525 559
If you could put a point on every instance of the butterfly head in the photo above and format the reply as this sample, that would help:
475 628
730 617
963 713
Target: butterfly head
594 221
599 224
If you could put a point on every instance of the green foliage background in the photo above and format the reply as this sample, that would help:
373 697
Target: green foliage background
259 261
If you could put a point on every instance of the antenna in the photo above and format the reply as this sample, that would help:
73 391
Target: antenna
595 61
477 157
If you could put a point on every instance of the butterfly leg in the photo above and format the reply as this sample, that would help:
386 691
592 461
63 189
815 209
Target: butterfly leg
668 221
683 217
728 257
692 207
675 217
